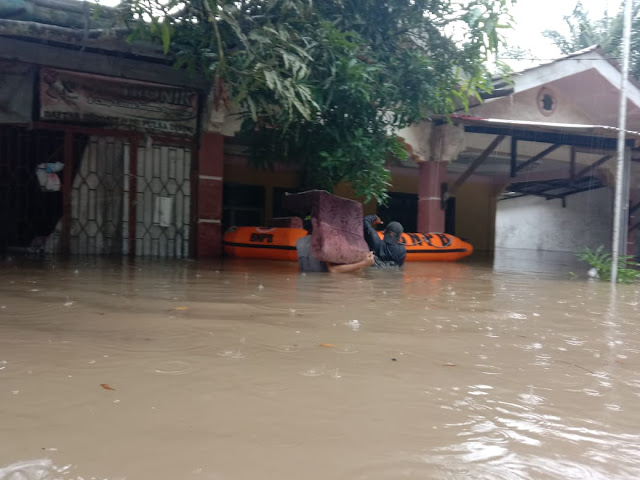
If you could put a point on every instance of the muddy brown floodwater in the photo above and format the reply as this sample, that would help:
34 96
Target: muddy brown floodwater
502 368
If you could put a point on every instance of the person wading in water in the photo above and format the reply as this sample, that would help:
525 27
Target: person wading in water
388 252
310 264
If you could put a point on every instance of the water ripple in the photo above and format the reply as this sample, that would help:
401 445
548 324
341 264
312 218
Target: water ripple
173 367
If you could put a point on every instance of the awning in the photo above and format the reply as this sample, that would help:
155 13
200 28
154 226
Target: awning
547 131
552 189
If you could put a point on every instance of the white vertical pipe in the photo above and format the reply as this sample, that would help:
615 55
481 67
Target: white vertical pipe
626 188
622 126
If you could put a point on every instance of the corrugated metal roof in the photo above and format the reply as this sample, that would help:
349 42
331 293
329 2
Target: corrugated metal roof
499 82
73 22
569 128
592 48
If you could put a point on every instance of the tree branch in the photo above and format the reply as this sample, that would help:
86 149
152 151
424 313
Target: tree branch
214 22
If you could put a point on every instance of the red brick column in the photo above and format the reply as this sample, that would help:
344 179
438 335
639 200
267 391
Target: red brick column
430 214
210 175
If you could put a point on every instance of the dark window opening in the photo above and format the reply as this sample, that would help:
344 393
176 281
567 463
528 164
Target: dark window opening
278 210
403 208
450 216
243 205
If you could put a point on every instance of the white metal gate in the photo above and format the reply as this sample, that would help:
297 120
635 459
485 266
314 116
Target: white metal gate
101 193
163 201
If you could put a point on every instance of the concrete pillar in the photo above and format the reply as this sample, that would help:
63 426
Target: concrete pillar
210 178
430 213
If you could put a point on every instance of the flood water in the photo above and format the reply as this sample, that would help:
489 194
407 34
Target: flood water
505 368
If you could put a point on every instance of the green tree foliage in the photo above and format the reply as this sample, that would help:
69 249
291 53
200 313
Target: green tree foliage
606 32
328 83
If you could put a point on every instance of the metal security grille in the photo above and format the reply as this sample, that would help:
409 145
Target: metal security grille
97 197
95 214
163 201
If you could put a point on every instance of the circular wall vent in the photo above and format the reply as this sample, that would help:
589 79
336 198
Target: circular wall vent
546 101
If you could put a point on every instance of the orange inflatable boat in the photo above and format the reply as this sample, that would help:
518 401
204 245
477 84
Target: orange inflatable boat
433 247
258 242
280 244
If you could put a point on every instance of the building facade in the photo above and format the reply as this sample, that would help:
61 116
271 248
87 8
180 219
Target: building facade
101 144
106 149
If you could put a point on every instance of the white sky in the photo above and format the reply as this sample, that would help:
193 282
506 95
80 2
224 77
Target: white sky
532 17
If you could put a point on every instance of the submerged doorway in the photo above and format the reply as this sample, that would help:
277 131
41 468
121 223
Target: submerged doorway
113 194
28 214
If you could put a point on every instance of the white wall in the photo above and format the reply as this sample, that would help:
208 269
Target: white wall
524 106
537 224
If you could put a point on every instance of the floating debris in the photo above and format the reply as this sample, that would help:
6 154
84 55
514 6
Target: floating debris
107 387
354 324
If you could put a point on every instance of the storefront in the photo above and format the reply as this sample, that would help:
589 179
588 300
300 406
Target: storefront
105 167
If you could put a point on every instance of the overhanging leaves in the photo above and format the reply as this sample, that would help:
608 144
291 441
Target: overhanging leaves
327 84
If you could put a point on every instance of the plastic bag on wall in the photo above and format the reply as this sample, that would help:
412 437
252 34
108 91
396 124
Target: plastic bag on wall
47 177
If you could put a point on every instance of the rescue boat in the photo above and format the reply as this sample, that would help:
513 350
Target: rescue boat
433 247
280 244
258 242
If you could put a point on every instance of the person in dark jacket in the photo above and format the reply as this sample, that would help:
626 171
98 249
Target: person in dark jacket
387 252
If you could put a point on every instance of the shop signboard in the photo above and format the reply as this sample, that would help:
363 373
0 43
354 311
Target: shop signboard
97 100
